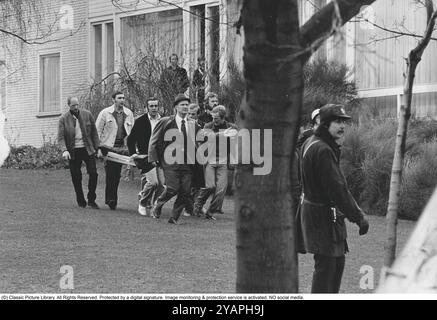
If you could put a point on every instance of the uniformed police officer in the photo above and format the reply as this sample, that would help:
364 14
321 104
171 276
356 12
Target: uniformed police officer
327 201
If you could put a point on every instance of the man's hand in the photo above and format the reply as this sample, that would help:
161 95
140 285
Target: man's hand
99 153
133 156
364 226
66 155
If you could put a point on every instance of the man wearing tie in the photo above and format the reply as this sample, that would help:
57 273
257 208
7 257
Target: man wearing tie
178 174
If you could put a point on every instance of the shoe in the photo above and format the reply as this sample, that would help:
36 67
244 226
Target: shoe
172 221
156 213
142 210
93 205
210 217
112 204
219 212
82 204
199 212
187 214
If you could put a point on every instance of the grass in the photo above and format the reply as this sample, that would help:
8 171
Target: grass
119 251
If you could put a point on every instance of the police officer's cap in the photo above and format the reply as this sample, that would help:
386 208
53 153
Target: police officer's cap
330 112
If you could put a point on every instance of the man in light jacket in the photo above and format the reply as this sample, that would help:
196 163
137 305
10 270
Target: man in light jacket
114 124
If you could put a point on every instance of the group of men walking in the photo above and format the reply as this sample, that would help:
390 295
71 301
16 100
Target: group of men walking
320 189
115 129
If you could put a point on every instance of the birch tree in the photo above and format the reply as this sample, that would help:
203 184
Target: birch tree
412 61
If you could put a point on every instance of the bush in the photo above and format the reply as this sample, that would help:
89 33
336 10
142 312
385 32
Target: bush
231 93
29 157
419 180
367 161
326 82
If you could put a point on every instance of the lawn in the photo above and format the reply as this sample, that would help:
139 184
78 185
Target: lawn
120 251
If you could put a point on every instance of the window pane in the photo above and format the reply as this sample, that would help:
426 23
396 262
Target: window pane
110 47
97 52
50 83
154 34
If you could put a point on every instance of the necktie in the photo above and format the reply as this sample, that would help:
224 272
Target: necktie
184 132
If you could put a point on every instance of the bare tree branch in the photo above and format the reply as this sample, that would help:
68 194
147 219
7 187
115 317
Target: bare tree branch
34 41
322 24
393 31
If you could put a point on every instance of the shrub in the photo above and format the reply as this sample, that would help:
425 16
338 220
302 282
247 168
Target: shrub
367 162
419 180
326 82
231 93
29 157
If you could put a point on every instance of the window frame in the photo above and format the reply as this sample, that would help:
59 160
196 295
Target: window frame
40 113
104 46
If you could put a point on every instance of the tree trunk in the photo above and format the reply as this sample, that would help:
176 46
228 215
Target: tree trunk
274 54
398 160
266 253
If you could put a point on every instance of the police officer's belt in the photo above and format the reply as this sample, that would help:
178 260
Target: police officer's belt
315 203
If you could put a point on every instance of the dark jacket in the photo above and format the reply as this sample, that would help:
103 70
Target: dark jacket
324 186
303 137
140 135
204 117
158 145
225 125
66 132
174 80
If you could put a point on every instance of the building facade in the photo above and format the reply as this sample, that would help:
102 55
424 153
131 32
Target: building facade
96 38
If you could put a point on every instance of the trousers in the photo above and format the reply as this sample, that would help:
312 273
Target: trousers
81 155
327 275
151 186
177 182
113 175
216 182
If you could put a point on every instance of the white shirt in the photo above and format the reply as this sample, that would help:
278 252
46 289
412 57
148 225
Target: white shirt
78 140
153 122
179 122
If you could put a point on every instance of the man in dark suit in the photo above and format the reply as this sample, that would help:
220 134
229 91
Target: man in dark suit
172 147
138 144
77 136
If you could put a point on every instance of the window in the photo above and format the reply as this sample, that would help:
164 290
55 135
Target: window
157 35
205 41
50 83
103 50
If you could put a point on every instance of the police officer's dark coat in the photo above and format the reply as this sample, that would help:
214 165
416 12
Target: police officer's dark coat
324 186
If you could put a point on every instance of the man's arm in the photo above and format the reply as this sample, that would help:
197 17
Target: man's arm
155 140
334 183
132 139
94 134
100 124
61 134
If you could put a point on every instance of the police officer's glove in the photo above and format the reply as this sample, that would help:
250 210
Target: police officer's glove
364 226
